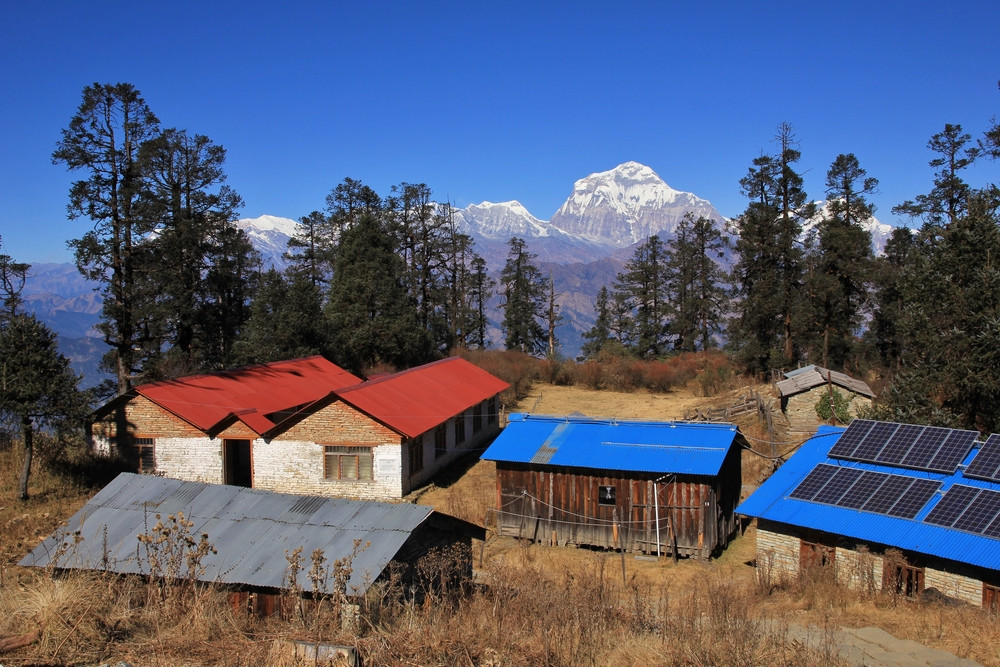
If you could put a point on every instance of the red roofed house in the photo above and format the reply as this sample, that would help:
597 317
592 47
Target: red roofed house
304 426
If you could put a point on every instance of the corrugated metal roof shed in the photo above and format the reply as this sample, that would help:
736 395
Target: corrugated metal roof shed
772 502
694 448
249 394
808 377
416 400
251 529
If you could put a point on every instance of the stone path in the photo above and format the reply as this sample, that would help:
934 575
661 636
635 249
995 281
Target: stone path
874 646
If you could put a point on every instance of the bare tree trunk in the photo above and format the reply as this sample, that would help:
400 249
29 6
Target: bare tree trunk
29 449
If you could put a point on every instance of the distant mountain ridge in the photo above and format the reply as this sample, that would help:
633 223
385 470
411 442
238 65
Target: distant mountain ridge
583 246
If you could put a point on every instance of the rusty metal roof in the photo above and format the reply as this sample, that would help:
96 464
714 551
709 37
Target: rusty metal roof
252 530
416 400
808 377
251 395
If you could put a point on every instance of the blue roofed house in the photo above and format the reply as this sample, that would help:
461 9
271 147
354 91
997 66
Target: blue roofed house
897 507
654 487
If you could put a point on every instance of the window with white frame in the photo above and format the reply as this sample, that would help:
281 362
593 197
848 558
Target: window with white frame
347 462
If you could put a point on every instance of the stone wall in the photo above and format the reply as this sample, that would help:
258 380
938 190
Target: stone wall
777 552
800 409
858 567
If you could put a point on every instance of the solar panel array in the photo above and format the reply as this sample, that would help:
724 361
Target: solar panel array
928 448
970 509
867 490
986 464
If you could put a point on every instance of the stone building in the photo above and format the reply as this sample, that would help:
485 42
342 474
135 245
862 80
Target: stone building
884 506
304 426
804 387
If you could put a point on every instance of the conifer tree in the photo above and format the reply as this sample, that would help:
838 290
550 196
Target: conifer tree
768 275
37 386
524 302
644 284
371 317
102 141
599 334
838 287
699 282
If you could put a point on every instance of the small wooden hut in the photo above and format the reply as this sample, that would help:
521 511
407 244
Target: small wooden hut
640 486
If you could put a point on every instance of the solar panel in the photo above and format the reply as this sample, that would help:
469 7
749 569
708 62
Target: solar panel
952 505
887 495
863 489
814 481
905 445
838 485
914 498
980 512
926 447
853 488
953 451
870 448
902 441
851 438
986 464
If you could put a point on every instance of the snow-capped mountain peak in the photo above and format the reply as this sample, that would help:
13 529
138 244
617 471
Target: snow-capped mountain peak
501 221
626 205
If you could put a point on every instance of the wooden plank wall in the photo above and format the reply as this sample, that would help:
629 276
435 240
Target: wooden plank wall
561 506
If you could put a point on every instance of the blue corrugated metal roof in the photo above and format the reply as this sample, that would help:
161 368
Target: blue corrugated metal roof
694 448
251 529
771 502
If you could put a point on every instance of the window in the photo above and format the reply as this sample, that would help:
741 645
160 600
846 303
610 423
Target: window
416 454
440 441
815 555
901 578
140 453
491 410
991 598
606 494
343 462
477 418
460 429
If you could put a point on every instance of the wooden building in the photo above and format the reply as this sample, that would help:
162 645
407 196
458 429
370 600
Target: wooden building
304 426
652 487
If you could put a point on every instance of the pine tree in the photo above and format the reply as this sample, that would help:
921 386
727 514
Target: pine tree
370 315
599 334
103 141
37 386
311 249
524 301
838 288
698 282
285 321
644 282
768 275
193 208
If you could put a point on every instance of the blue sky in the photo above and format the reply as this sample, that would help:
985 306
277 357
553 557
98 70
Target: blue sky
497 101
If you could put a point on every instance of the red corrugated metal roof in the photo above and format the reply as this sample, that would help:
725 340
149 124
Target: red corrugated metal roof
249 394
416 400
